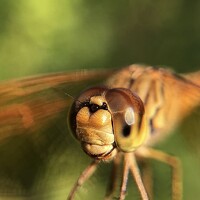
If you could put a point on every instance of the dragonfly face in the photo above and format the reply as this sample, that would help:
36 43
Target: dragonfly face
103 119
35 105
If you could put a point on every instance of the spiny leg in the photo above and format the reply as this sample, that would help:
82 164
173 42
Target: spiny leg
114 177
130 164
171 161
83 177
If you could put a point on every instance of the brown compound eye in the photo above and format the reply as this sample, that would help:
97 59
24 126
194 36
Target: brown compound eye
128 118
102 119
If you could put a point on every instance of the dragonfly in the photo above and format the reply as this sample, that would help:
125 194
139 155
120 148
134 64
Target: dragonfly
120 119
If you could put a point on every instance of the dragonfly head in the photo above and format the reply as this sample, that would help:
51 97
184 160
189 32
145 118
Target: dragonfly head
108 120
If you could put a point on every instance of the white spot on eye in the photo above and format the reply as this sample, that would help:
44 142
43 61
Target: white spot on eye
129 116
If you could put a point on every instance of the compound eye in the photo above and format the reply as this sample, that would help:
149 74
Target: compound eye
128 118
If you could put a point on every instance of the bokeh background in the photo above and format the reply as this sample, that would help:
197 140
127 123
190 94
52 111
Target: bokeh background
51 36
55 35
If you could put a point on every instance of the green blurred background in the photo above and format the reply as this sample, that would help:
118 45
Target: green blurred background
50 36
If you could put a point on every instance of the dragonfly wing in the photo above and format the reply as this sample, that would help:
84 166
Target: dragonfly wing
28 104
33 130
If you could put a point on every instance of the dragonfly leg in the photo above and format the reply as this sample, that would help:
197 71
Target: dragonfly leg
124 178
172 161
147 179
114 177
131 164
83 177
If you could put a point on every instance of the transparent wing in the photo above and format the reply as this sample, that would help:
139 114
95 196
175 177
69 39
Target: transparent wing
35 144
28 104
